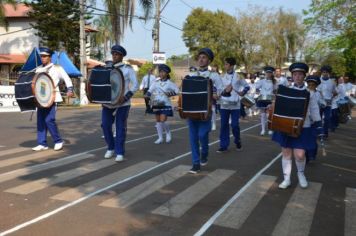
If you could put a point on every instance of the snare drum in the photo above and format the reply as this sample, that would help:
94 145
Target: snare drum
106 85
34 90
265 98
248 101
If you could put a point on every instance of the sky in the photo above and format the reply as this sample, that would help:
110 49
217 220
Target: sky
138 41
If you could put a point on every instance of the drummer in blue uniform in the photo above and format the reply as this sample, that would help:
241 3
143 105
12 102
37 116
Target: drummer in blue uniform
234 87
199 130
118 113
297 146
46 117
327 89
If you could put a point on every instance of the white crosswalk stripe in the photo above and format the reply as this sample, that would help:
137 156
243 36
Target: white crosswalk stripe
39 184
350 212
236 214
182 202
28 157
297 216
13 151
73 194
148 187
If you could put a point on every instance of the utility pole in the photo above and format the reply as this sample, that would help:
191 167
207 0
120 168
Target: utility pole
83 57
155 31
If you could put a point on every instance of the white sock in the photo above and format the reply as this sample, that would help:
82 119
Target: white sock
287 168
300 165
213 116
159 127
166 127
263 120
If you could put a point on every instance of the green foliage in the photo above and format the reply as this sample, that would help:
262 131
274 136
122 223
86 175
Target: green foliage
57 23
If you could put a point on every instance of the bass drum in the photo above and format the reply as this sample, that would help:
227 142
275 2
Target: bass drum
43 90
106 86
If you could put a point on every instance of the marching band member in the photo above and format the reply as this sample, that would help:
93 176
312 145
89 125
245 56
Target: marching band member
215 106
252 93
160 91
146 82
118 113
341 95
265 87
297 146
312 83
281 80
230 105
327 89
199 130
46 117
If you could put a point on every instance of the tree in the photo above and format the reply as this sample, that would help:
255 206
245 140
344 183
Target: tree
121 14
334 24
57 23
105 35
3 21
216 30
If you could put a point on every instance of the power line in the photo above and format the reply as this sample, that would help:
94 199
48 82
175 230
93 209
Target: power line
187 4
12 32
171 25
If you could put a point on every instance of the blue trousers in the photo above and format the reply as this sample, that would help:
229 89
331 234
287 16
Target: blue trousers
334 121
46 120
199 136
326 111
119 115
225 129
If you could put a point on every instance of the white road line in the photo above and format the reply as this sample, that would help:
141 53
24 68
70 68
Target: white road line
28 157
54 163
297 216
13 151
350 212
181 203
206 226
64 207
37 168
78 192
141 191
42 183
237 213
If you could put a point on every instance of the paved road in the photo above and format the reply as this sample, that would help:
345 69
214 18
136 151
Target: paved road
76 192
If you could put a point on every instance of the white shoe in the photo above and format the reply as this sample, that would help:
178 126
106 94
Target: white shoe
119 158
302 180
58 146
285 184
262 133
213 126
270 132
168 137
39 148
159 141
109 154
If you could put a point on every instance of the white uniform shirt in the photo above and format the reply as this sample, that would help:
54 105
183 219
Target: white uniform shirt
252 91
266 86
131 83
313 113
159 88
341 94
349 88
215 78
282 81
144 83
327 88
238 84
57 73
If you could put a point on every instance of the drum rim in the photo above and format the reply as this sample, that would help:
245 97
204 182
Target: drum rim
117 100
53 96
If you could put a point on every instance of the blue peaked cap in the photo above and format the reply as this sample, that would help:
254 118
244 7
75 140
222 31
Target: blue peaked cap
208 52
165 68
119 49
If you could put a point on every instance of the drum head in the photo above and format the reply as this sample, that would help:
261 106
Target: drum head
43 89
117 86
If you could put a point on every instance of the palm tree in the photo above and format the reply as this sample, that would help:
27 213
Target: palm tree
105 34
122 13
3 21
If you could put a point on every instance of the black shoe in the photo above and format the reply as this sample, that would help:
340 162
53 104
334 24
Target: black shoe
195 169
204 161
238 146
221 150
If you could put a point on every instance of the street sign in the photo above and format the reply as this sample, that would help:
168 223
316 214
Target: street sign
159 58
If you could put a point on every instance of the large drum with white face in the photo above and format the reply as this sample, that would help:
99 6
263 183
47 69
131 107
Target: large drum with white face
106 86
34 90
